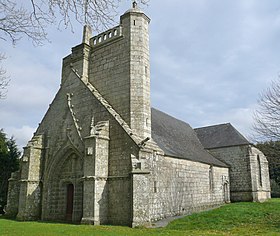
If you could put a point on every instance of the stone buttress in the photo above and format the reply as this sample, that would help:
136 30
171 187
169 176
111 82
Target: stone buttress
259 173
29 206
95 200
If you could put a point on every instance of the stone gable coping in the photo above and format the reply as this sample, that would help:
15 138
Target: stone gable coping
138 141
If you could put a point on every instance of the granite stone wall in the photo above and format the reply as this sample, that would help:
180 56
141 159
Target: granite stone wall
167 186
245 172
182 187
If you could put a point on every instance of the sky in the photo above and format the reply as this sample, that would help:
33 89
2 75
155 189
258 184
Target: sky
210 60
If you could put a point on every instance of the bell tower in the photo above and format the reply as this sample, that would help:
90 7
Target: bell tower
137 25
119 69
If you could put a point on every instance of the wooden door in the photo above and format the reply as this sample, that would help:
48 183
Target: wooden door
70 200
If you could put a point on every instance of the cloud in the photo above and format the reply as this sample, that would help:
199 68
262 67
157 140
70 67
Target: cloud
213 59
21 134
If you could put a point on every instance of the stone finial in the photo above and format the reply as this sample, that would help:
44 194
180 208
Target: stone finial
87 34
134 4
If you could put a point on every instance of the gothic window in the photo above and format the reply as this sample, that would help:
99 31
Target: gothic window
211 180
259 170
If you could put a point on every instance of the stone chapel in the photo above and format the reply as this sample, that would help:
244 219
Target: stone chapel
102 155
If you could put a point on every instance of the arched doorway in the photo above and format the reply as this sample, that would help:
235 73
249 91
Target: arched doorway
70 200
63 199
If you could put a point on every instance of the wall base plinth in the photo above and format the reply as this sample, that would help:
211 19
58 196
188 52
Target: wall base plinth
90 221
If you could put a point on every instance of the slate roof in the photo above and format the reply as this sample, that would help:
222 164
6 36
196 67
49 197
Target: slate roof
177 139
222 135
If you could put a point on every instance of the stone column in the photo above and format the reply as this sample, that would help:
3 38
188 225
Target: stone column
95 198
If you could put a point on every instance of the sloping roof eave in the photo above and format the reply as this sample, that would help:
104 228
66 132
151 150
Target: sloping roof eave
176 138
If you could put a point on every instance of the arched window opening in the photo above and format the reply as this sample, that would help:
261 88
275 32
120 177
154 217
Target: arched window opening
211 180
259 170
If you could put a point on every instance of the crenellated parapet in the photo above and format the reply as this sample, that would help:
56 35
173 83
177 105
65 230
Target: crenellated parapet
107 36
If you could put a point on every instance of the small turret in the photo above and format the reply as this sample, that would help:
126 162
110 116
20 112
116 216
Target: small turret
87 34
78 60
136 28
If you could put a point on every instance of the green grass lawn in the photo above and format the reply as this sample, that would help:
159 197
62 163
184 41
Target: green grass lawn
231 219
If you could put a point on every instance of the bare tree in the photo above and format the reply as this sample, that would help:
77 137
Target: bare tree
4 80
267 116
30 18
17 21
21 18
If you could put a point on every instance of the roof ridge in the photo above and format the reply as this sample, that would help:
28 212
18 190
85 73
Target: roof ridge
209 126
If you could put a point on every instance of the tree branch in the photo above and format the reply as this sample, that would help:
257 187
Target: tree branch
4 80
267 116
